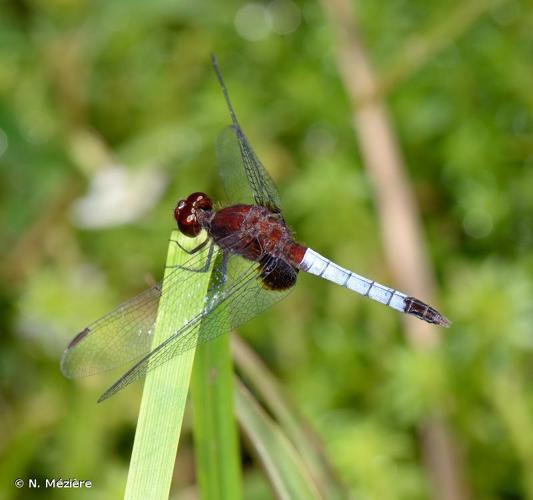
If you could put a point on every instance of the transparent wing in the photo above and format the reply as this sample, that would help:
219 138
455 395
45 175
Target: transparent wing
237 294
231 171
125 333
244 177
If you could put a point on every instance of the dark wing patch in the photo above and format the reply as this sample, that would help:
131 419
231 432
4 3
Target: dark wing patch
277 274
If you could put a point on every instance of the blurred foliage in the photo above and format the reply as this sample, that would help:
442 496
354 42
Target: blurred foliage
88 87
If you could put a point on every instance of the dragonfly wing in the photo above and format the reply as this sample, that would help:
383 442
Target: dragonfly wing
244 177
125 333
237 294
231 170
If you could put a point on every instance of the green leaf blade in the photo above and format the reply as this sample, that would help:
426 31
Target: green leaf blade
166 388
285 469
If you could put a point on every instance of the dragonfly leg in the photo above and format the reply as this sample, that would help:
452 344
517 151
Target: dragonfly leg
204 267
195 249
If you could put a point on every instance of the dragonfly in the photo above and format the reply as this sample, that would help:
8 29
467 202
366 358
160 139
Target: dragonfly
258 266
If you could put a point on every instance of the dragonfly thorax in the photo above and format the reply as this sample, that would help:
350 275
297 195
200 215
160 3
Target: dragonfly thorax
187 213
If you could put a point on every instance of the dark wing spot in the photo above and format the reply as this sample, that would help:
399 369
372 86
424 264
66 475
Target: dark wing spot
276 274
78 337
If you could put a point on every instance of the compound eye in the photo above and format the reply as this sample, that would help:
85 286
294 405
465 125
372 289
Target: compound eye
187 221
185 215
200 201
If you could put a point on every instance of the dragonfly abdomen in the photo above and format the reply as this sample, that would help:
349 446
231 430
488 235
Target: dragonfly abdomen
320 266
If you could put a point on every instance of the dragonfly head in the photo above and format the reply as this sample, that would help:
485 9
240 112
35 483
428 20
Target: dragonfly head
186 213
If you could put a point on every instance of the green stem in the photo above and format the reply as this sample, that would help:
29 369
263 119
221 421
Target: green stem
215 432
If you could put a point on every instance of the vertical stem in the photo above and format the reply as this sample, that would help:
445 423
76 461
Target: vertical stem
216 447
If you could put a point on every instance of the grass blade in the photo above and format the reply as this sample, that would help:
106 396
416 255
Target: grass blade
215 433
297 430
284 468
165 390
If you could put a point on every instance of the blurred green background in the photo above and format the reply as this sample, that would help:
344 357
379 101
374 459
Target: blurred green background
108 115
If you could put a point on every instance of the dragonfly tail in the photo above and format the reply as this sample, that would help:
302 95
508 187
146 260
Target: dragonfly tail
320 266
